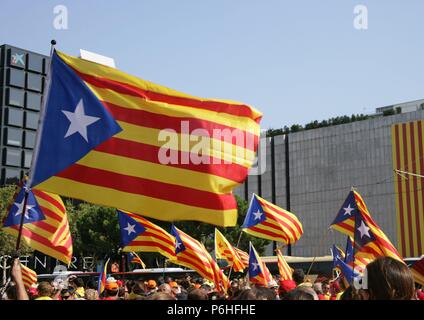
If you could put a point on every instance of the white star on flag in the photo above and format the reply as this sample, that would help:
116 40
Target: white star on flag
130 228
348 210
255 266
79 121
364 230
257 214
20 206
178 245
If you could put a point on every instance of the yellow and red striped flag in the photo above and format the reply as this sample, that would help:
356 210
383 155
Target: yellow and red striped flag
369 241
408 150
134 258
258 271
45 227
29 276
140 235
224 250
283 267
116 140
192 254
244 256
268 221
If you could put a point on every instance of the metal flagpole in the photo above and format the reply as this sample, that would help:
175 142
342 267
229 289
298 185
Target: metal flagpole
27 187
231 269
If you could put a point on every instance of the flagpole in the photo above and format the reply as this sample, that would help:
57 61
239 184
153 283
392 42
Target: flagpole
21 223
231 269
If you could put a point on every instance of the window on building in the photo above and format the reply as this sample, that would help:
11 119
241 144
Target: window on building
27 158
12 157
34 82
16 78
17 58
35 63
31 120
13 137
33 101
10 176
29 139
14 117
15 97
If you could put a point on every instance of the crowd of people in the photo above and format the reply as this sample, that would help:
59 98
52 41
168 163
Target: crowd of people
388 279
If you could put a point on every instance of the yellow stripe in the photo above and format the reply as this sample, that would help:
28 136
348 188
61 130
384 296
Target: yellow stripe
235 154
403 193
396 166
170 211
116 75
157 172
144 238
413 245
173 110
161 233
262 235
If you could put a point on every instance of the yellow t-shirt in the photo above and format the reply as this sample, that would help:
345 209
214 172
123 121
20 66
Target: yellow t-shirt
79 293
44 298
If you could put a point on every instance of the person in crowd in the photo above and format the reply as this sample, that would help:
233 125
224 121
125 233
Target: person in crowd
166 288
274 286
351 293
152 287
285 287
302 293
257 293
299 277
91 294
326 290
175 289
137 291
45 291
111 290
78 285
197 294
317 286
390 279
160 296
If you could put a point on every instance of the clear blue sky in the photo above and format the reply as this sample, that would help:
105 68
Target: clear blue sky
296 61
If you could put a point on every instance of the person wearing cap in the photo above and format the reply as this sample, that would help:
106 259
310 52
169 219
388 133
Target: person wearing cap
274 286
175 288
111 290
285 287
152 287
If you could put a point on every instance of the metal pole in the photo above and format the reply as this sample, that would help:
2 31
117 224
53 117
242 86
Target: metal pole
238 242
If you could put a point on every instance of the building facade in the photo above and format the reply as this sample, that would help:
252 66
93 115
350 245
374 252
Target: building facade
22 75
311 173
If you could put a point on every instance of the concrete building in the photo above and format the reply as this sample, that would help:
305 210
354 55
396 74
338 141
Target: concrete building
22 75
315 169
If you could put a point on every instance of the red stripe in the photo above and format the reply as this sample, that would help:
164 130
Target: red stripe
408 198
269 233
40 239
149 225
147 119
128 89
153 244
149 188
283 215
147 234
44 226
272 217
145 152
400 191
61 233
51 214
199 268
277 230
415 186
46 197
195 257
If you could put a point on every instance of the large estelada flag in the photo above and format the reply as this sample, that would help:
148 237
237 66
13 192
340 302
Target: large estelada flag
369 241
225 250
258 271
113 139
45 227
140 235
268 221
192 254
